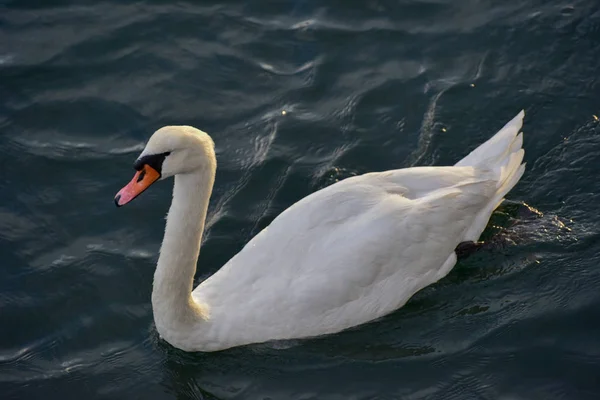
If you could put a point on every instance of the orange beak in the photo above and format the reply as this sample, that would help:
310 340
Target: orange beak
140 182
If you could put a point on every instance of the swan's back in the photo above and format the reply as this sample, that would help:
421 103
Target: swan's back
358 249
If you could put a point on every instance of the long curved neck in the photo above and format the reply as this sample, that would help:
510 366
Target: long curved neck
172 303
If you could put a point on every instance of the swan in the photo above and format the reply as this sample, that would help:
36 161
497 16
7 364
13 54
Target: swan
340 257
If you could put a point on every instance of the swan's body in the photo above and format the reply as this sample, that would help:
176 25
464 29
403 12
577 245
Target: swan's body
343 256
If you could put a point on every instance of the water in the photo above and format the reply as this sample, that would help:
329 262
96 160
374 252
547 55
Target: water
365 86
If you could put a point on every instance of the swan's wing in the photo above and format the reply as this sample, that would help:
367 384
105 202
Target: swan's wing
346 199
347 254
417 182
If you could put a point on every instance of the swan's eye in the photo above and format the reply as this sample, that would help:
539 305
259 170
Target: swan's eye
153 160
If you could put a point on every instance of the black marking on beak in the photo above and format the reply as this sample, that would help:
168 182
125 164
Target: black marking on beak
141 175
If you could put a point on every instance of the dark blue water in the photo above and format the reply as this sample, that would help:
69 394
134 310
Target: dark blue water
365 86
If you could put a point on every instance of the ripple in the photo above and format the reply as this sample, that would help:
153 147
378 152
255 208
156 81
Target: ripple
6 59
281 71
364 86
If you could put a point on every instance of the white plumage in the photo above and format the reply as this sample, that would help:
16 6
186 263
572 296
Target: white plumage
340 257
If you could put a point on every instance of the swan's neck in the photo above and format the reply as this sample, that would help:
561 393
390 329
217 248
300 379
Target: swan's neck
175 312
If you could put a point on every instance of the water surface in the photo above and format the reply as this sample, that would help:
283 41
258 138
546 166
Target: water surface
365 86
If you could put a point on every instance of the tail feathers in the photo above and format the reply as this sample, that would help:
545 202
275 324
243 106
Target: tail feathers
517 143
514 179
507 139
508 170
503 156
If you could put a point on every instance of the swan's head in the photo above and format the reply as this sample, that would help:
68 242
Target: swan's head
171 150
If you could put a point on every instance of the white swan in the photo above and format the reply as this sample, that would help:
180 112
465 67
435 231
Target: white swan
340 257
